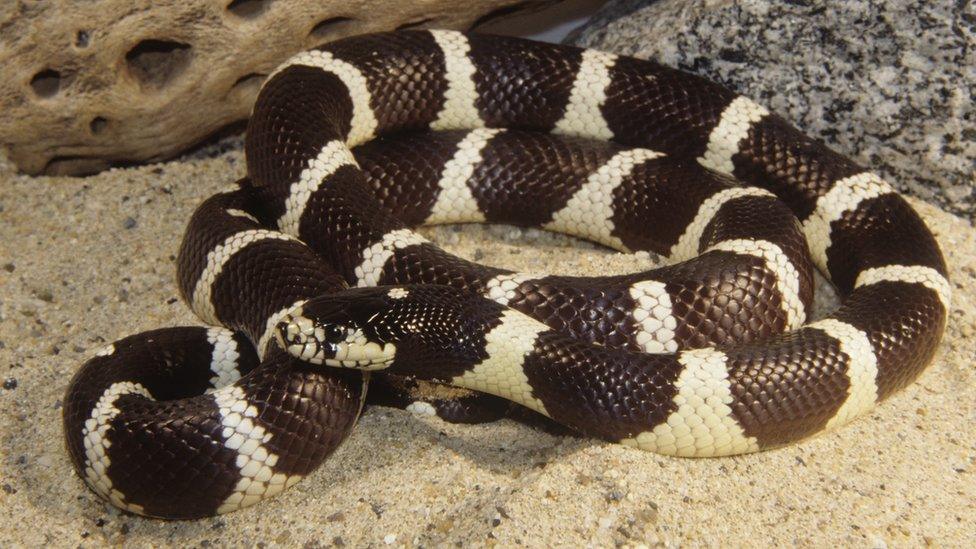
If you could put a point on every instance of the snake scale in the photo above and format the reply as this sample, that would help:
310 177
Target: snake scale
308 271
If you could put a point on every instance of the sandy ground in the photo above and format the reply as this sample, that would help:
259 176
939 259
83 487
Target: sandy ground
84 261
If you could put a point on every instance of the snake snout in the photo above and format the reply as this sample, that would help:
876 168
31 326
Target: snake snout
297 335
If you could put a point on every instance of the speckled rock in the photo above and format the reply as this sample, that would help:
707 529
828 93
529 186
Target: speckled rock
888 82
87 85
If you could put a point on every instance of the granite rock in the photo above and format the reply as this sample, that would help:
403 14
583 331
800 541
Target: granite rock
888 82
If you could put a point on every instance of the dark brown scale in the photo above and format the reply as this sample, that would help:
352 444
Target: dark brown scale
308 412
596 310
399 172
602 392
168 454
598 391
355 221
661 108
301 109
252 286
524 177
904 323
145 449
735 301
883 230
768 219
428 264
521 85
796 168
788 387
245 303
209 226
405 75
161 362
659 199
667 110
719 299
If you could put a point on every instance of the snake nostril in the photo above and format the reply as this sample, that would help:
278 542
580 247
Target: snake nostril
288 333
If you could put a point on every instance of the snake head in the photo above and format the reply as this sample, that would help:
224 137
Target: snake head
407 330
346 329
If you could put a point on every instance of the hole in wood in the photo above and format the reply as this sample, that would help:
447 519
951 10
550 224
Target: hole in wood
155 63
500 13
46 83
75 165
327 28
82 39
415 24
249 83
248 9
98 125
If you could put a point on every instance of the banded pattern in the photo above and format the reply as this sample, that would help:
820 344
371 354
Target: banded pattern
702 423
706 356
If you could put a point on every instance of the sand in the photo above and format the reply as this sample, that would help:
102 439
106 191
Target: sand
85 261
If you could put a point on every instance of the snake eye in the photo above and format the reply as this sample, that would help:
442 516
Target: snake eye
333 334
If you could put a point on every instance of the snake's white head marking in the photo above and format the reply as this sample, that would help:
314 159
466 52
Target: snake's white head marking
338 331
407 330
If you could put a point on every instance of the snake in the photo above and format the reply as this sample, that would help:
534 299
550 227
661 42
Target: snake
314 286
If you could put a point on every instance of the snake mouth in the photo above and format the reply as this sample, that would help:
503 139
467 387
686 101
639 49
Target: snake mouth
331 345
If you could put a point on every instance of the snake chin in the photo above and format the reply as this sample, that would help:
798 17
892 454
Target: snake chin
367 365
361 354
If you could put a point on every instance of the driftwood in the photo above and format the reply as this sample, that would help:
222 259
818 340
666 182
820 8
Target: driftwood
87 85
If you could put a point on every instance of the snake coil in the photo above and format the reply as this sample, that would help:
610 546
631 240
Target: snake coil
707 356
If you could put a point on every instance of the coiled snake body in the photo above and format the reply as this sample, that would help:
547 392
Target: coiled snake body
187 422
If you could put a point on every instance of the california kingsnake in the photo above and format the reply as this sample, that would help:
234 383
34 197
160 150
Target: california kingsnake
187 422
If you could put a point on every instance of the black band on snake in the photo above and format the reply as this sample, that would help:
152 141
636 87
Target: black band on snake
708 356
